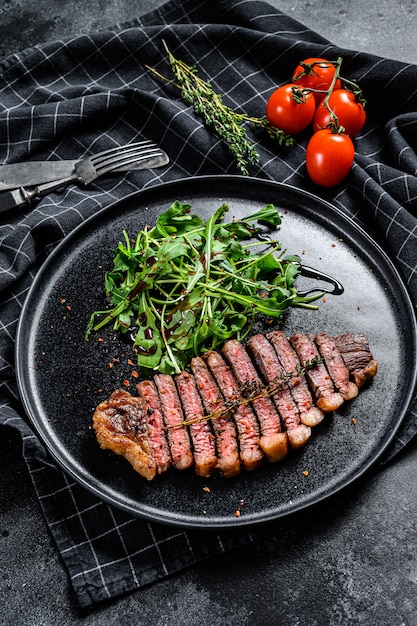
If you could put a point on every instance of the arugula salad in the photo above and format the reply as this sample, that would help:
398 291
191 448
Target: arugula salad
187 285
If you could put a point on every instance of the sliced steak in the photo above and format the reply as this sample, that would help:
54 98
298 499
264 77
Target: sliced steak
273 374
202 438
336 366
310 414
223 425
273 441
177 433
121 425
157 434
354 348
327 399
256 398
247 425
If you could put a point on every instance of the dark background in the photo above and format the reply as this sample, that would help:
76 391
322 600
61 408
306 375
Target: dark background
386 27
350 562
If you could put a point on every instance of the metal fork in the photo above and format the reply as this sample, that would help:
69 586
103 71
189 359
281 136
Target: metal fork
115 159
32 173
144 154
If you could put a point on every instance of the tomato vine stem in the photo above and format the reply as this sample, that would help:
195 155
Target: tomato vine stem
352 86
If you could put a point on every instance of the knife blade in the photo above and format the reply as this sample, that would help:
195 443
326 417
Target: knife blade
31 173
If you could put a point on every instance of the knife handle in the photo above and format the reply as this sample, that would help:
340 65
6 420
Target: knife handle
24 197
15 198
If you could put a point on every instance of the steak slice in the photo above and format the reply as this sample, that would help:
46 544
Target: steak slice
121 425
354 348
157 436
273 441
310 414
177 433
247 426
327 399
336 366
273 373
223 425
202 438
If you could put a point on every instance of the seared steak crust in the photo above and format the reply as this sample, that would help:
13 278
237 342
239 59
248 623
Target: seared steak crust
354 348
202 438
273 441
273 373
247 426
121 426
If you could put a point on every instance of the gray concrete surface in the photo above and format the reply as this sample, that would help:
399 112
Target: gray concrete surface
355 563
386 27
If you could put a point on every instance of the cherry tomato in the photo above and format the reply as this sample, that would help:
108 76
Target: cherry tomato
349 112
329 157
316 73
285 112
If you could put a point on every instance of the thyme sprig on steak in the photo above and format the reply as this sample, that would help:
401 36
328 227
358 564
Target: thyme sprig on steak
253 391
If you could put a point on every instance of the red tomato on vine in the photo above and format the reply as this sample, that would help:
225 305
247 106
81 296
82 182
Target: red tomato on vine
290 109
349 111
316 73
329 157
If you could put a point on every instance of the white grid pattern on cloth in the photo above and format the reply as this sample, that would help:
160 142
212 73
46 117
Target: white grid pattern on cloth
69 98
111 546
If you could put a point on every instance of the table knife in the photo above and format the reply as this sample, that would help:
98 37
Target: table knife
26 195
31 173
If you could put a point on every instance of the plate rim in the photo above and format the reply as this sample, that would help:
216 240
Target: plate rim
175 519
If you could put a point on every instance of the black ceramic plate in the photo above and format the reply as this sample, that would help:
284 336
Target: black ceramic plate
62 378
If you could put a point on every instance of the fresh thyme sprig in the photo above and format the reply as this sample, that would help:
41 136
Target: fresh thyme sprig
226 122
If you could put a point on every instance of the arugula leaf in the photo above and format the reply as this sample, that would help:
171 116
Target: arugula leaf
176 220
267 215
186 285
